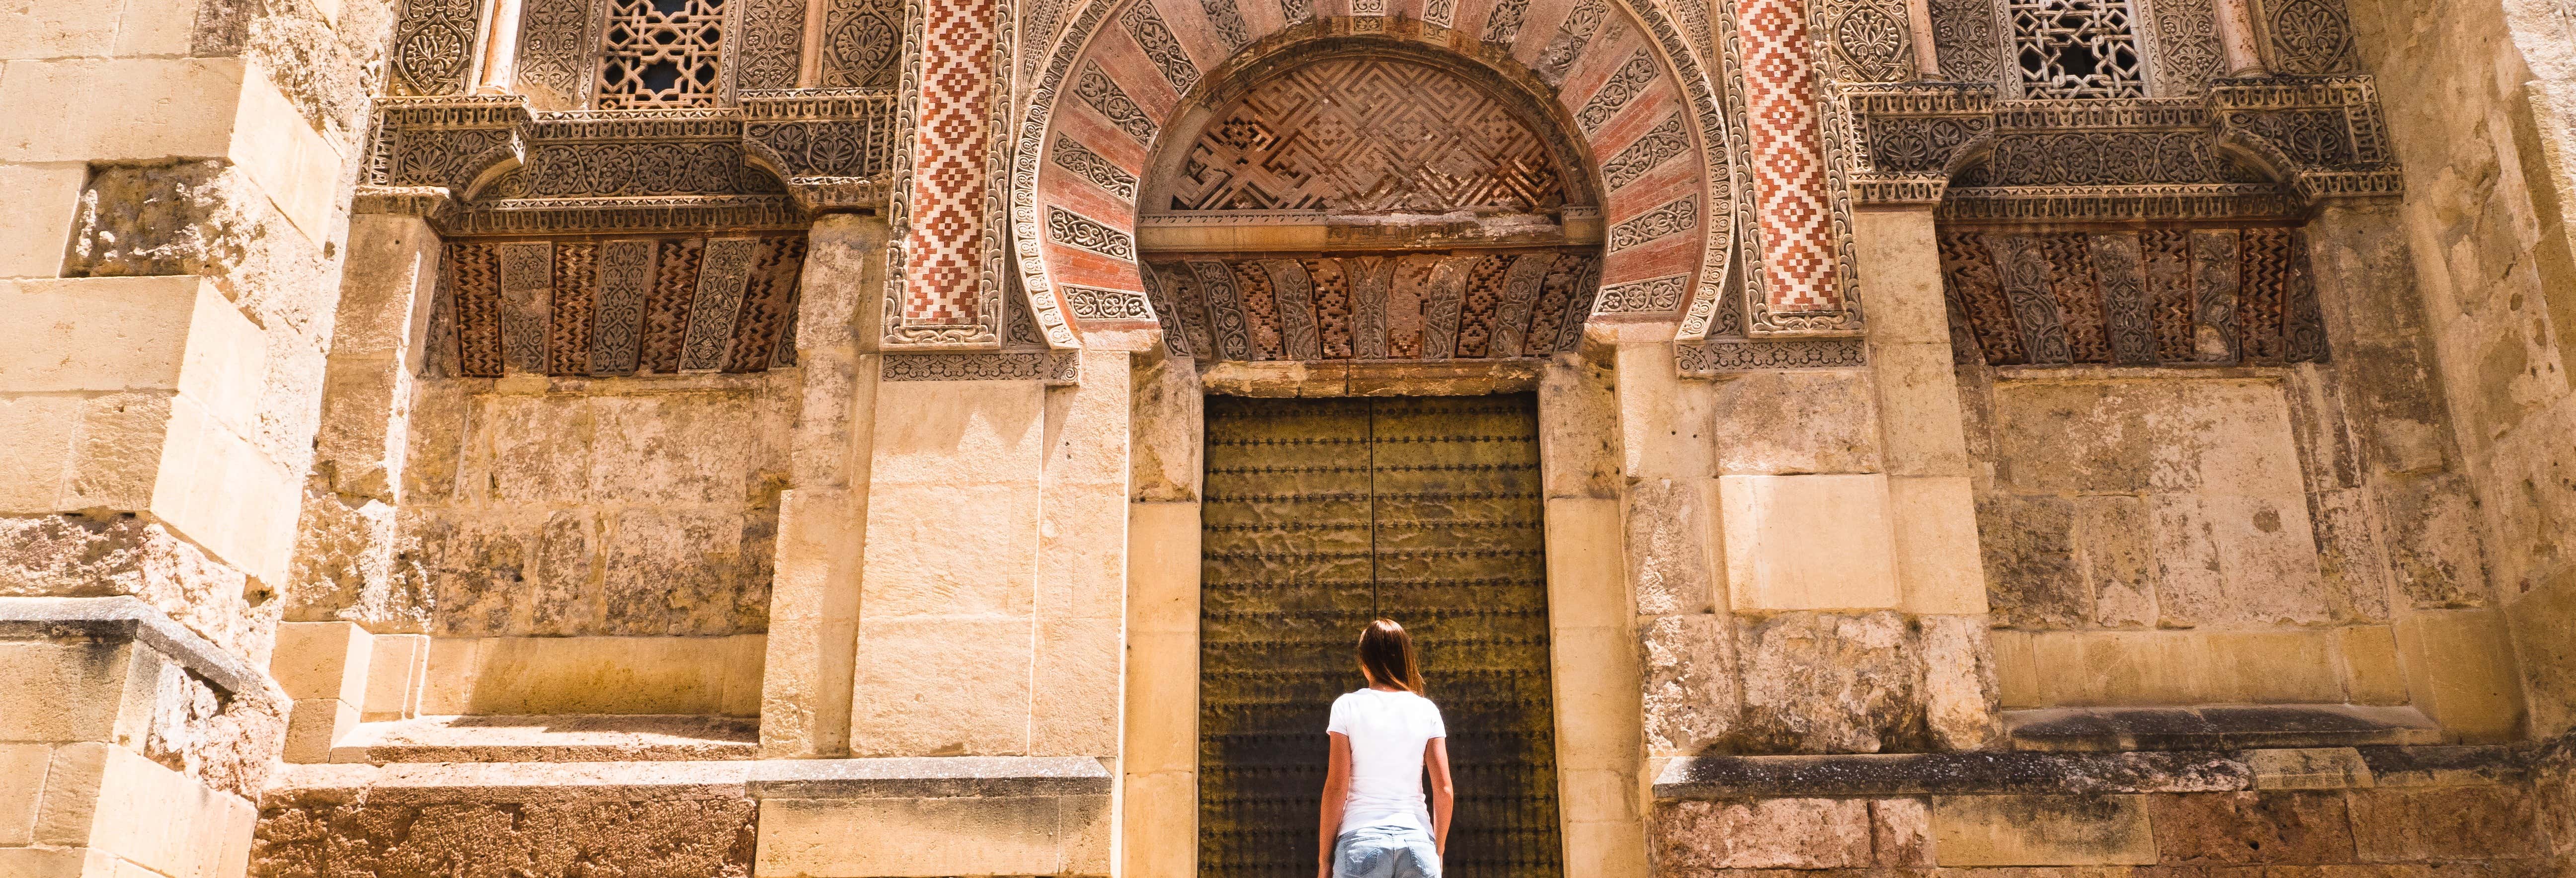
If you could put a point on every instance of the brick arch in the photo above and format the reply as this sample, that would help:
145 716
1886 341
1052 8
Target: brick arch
1627 89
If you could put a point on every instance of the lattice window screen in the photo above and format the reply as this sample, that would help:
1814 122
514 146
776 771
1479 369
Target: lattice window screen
661 53
2077 49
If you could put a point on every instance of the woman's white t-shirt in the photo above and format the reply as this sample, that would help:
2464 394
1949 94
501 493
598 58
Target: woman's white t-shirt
1388 731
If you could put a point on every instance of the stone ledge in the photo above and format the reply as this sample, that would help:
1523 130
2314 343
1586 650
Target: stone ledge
932 777
1881 775
2097 730
127 618
2451 766
553 738
505 782
1910 774
929 777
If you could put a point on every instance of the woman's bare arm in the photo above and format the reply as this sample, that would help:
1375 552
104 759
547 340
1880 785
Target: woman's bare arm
1444 795
1337 789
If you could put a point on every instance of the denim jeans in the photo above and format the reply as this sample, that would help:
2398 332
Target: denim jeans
1386 852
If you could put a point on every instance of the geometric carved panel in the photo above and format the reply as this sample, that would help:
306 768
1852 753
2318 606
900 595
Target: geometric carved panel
661 53
2077 49
627 306
2158 297
1285 306
1369 134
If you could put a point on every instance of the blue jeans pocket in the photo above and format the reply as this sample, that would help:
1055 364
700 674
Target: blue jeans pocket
1385 852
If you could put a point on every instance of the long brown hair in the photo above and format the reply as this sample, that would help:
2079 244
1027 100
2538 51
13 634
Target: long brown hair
1386 656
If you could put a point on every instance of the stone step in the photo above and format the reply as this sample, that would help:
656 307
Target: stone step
552 738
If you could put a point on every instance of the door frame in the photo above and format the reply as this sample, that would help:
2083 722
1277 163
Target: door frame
1594 666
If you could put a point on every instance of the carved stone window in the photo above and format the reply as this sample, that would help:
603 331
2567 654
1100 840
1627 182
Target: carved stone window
2077 48
661 53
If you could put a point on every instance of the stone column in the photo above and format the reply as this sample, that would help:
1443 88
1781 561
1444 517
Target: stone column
2239 53
351 646
1927 55
990 622
2393 488
1932 503
1158 816
822 536
1601 692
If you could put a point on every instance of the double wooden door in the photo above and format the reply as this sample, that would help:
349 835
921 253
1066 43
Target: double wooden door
1322 514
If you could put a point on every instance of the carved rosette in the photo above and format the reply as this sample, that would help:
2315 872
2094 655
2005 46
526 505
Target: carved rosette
432 50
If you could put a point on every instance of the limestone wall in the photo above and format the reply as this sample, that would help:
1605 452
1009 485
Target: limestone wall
2483 128
2148 540
630 507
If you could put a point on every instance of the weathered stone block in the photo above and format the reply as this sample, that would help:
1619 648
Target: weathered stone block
942 687
577 834
2460 672
105 334
536 675
295 165
2371 674
39 438
125 109
322 660
2114 547
1813 542
1829 683
1836 413
2313 768
316 725
922 837
1960 690
61 692
22 785
396 669
1690 674
1579 441
223 493
2135 436
1074 704
1671 536
2042 831
1939 568
1763 834
2251 827
1665 423
41 199
2028 544
2420 824
1918 406
1901 832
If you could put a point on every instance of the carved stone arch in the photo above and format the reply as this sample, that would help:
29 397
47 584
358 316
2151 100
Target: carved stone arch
1130 64
1325 40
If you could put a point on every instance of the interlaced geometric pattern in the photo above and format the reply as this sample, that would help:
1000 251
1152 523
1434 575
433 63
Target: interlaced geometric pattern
948 163
1369 135
2077 49
1787 141
661 53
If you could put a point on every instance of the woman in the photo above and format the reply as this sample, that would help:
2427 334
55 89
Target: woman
1384 736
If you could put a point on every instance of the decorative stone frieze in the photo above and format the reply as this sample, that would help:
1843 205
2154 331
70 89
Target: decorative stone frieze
502 169
621 306
1048 367
1310 307
2161 297
1908 138
2326 135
